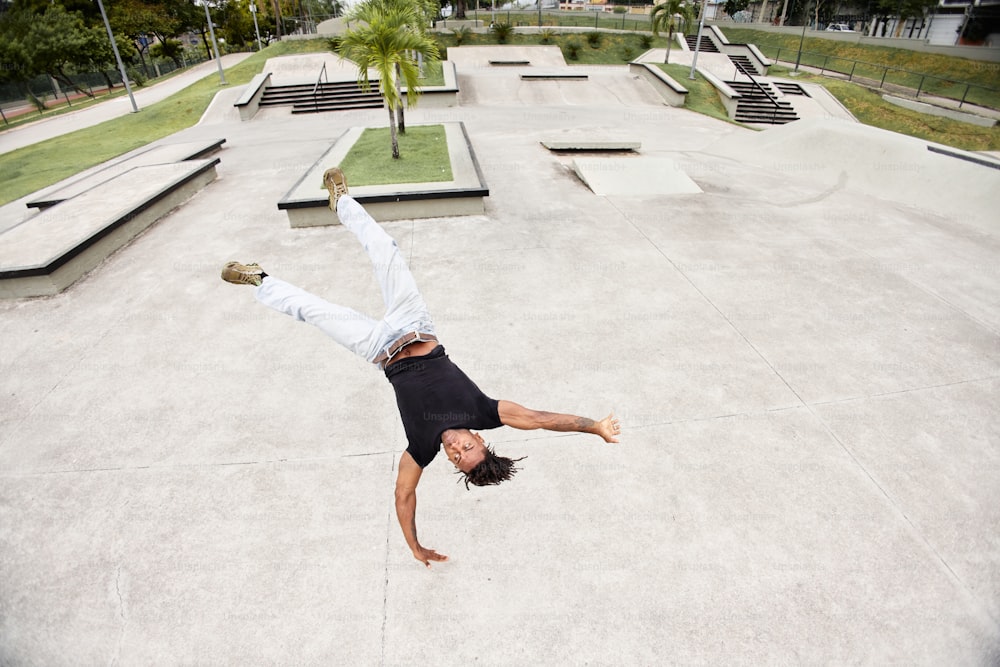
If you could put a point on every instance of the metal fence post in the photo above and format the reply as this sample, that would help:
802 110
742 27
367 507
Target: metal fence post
850 77
963 95
4 116
823 68
882 82
920 87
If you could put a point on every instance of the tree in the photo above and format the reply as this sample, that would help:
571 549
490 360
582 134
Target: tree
665 17
58 41
732 7
385 39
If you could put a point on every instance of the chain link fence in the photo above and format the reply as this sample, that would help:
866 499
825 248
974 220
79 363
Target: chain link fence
43 92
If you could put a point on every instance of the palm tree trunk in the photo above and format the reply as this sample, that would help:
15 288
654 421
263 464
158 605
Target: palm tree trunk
392 133
670 40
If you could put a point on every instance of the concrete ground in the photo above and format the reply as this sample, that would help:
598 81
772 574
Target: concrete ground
807 371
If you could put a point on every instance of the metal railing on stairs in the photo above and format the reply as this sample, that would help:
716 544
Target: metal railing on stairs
770 98
315 94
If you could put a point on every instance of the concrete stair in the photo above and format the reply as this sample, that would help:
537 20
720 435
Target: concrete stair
707 45
761 106
334 96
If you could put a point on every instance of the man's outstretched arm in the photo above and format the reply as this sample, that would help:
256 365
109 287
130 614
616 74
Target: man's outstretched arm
406 508
518 416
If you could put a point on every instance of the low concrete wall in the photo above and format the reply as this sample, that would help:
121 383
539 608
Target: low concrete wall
672 92
249 102
730 98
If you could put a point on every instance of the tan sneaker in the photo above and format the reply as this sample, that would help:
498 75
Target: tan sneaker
243 274
335 181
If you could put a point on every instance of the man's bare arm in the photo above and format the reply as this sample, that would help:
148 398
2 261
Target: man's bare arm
406 508
518 416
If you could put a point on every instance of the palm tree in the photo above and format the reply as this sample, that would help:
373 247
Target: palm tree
387 41
664 17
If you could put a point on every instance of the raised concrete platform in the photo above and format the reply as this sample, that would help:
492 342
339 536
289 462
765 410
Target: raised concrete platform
52 250
307 203
164 154
634 176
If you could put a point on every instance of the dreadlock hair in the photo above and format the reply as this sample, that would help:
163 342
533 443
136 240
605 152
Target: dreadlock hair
491 470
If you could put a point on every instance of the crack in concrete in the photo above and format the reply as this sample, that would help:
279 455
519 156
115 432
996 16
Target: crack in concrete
121 614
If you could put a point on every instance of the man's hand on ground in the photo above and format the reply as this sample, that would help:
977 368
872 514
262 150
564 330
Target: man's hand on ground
609 428
425 556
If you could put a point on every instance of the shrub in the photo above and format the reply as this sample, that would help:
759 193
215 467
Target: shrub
594 38
627 52
645 41
618 9
136 77
461 34
572 49
546 35
502 31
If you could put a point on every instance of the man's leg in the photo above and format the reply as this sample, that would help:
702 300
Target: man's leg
405 309
353 330
358 333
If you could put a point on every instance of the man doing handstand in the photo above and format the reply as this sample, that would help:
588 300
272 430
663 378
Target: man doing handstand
437 402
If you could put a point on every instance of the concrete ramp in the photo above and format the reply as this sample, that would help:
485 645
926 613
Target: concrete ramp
877 162
634 176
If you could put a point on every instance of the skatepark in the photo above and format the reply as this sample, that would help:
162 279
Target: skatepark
803 348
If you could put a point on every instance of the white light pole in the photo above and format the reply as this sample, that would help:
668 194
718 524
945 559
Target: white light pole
697 44
118 58
253 10
215 46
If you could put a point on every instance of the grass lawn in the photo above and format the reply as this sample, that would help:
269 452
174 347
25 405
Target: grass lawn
423 157
701 96
869 108
34 167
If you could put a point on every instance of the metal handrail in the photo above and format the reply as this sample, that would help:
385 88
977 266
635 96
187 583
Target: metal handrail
740 69
321 77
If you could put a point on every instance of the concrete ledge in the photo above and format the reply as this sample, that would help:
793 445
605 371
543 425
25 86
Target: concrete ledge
554 75
672 92
510 62
249 102
164 154
930 109
307 203
730 98
587 144
54 249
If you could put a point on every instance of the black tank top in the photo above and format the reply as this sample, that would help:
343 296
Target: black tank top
434 395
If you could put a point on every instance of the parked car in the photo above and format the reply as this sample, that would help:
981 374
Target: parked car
838 27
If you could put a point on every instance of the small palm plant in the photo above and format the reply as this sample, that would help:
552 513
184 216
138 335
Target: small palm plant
669 16
388 41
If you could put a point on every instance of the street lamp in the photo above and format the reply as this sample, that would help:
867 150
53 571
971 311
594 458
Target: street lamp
118 57
215 45
802 39
253 10
697 44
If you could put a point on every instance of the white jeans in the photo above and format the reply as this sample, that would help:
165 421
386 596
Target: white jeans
405 310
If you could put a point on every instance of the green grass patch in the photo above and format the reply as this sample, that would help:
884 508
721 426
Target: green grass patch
702 96
433 75
869 108
423 157
613 49
933 73
40 165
